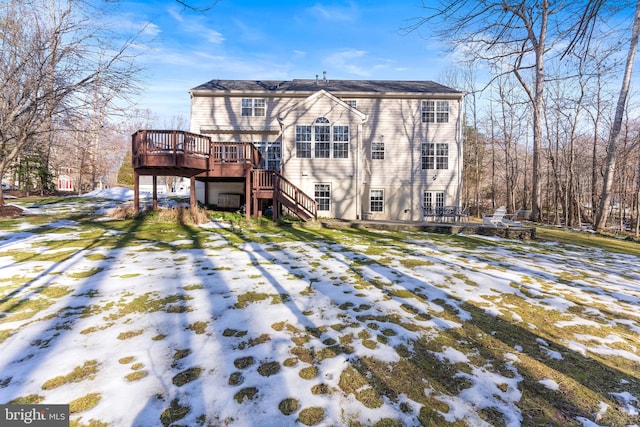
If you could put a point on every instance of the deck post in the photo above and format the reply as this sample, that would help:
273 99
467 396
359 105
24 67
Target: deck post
247 194
276 202
192 193
155 192
136 192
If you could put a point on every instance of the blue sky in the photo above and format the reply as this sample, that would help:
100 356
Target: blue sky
264 40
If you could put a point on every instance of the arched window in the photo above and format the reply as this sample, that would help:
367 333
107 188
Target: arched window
322 137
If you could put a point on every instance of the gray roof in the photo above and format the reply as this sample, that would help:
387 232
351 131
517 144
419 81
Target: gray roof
340 86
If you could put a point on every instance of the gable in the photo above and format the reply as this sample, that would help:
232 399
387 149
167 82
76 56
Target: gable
322 104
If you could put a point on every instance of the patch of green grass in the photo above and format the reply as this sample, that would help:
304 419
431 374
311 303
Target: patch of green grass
135 376
289 406
414 262
233 333
388 422
198 327
5 333
269 368
84 403
149 303
126 360
181 354
353 381
587 240
46 256
244 362
290 362
175 412
250 297
308 372
311 416
130 334
320 389
22 309
87 371
186 376
85 274
31 399
248 393
236 378
55 291
252 342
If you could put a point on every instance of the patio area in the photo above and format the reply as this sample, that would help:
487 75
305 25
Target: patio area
519 232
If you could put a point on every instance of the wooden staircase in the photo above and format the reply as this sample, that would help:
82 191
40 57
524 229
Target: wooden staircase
272 185
180 153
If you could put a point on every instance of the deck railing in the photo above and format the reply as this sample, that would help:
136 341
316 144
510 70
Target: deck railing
294 198
170 149
236 152
170 142
263 179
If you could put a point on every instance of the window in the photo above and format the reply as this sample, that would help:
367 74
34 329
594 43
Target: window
253 107
442 156
340 142
322 137
442 111
432 200
271 154
377 150
435 156
435 111
322 193
376 200
326 139
352 103
303 141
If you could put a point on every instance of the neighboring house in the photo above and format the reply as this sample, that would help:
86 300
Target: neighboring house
64 181
361 149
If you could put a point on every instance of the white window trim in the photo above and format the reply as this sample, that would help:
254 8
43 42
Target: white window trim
253 107
437 108
381 190
329 198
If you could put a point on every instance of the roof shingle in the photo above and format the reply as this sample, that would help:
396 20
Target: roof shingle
340 86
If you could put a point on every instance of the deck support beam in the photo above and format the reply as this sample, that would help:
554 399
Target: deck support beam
155 192
136 192
192 193
247 194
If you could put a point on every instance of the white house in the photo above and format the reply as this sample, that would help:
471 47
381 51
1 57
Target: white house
360 148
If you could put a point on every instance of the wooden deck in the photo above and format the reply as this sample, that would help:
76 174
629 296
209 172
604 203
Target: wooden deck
180 153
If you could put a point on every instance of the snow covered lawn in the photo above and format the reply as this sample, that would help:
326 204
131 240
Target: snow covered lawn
136 323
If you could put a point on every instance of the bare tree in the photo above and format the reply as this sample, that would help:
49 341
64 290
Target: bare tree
522 34
54 58
614 138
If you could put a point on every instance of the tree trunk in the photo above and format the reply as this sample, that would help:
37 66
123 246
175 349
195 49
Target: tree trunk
605 200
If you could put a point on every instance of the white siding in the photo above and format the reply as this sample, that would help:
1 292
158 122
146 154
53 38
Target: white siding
394 120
